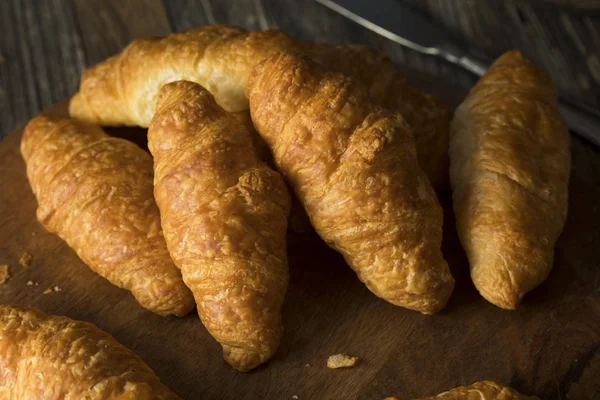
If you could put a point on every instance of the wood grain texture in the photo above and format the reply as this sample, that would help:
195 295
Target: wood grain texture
46 45
106 27
549 346
561 36
40 58
186 14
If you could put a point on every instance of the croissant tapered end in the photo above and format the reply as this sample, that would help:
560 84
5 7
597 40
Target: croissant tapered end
244 359
530 261
76 105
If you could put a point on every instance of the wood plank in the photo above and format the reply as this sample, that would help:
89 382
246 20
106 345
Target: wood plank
562 40
549 346
41 58
46 46
106 26
186 14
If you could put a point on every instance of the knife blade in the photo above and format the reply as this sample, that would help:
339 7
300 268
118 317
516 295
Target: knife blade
393 20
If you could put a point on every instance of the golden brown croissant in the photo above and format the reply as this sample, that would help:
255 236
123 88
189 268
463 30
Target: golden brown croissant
485 390
428 118
354 168
95 192
123 89
46 357
224 213
510 163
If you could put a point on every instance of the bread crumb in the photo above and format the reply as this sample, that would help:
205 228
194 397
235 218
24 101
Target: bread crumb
55 289
29 283
294 396
4 274
25 260
307 365
341 361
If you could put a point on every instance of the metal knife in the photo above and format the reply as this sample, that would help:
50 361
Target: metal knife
391 19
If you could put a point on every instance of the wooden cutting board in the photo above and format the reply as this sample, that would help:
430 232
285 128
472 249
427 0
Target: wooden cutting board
550 346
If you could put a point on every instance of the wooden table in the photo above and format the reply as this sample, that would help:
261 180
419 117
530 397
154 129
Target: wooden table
550 346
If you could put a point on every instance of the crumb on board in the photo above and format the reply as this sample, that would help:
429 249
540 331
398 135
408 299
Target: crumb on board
341 361
25 260
295 396
54 289
4 274
307 365
29 283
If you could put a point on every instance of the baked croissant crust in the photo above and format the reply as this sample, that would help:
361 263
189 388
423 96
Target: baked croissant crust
510 164
485 390
428 118
123 89
95 192
354 167
224 213
46 357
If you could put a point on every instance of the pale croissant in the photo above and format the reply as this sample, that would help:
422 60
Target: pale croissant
510 164
123 90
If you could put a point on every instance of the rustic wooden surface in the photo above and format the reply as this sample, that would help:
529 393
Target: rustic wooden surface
550 346
45 45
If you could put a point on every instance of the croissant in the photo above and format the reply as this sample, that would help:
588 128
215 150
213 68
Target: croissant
510 164
46 357
428 118
224 213
485 390
123 89
95 192
354 167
